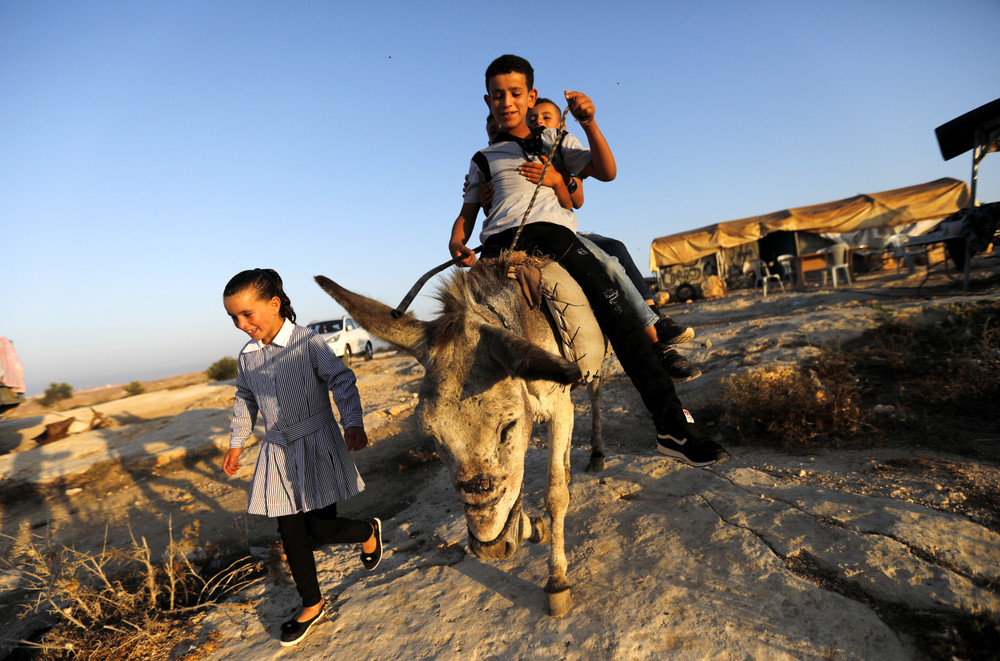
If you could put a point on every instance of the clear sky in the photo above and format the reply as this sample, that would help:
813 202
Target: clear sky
151 150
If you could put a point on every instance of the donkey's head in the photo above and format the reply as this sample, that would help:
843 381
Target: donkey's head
474 399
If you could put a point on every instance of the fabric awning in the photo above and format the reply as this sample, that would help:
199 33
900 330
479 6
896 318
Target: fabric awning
931 201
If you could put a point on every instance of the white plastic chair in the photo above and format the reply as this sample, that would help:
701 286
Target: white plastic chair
787 264
836 260
762 275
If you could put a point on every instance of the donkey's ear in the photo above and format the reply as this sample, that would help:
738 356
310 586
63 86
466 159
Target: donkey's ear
407 333
525 360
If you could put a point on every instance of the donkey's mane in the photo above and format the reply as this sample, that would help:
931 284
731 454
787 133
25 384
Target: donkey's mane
484 285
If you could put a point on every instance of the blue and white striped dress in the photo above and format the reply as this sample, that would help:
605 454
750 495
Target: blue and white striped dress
303 462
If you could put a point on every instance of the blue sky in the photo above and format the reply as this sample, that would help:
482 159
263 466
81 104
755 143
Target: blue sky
151 150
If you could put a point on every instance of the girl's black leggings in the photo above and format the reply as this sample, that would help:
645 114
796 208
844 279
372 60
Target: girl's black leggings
301 531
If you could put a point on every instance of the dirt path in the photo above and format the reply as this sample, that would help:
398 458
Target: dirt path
849 553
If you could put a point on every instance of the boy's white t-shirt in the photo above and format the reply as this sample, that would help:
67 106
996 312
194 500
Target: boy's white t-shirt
512 191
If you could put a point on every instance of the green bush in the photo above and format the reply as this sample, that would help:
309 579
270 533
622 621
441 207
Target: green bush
134 388
222 369
56 392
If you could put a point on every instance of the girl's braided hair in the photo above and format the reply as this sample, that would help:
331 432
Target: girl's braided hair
266 284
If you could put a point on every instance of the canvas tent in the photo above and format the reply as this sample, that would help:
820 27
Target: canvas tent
914 209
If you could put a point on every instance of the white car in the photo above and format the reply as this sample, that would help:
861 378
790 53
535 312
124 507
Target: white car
345 337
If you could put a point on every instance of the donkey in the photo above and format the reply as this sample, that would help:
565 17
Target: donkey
492 369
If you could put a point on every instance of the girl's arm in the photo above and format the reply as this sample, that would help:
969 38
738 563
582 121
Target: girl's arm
244 417
244 413
339 380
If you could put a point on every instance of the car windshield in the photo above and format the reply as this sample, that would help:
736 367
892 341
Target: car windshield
327 326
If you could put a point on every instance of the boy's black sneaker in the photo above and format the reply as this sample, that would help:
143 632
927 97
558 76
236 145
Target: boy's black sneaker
695 451
677 366
670 332
686 443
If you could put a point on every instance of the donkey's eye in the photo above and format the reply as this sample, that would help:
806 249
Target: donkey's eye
506 430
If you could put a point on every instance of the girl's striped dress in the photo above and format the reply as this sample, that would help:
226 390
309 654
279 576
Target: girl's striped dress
303 462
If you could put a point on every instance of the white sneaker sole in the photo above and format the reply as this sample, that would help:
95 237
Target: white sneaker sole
676 454
686 336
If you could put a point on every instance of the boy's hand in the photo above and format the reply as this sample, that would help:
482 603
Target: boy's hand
486 196
580 106
462 252
231 463
356 438
485 193
533 172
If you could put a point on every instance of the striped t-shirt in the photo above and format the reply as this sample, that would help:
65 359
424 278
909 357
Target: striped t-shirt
303 463
512 192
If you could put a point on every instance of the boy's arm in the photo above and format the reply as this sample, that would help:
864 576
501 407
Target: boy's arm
576 191
460 233
602 164
533 172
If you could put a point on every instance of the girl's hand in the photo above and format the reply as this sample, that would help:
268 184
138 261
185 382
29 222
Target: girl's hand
356 438
231 463
533 172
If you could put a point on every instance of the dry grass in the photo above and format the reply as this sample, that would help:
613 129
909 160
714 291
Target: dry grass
122 604
937 380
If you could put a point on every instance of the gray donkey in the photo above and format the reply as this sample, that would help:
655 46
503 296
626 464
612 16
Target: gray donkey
492 369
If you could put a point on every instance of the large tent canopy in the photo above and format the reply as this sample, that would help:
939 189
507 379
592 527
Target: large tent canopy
932 201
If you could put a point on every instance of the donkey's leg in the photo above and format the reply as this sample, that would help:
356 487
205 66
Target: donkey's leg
556 502
596 434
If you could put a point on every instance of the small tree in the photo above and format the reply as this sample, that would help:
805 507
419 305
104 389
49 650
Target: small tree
222 369
134 388
56 392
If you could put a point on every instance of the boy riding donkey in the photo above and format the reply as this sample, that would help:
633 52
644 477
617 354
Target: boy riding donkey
551 229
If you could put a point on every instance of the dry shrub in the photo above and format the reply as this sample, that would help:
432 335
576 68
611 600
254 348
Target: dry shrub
120 604
937 375
951 365
793 407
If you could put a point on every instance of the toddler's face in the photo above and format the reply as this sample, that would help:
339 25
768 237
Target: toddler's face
544 115
260 319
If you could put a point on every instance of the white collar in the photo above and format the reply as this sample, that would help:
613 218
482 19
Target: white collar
281 339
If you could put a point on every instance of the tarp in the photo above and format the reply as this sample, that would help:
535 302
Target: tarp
903 206
11 372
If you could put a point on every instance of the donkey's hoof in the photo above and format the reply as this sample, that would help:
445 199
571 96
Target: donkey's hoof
596 464
559 602
539 531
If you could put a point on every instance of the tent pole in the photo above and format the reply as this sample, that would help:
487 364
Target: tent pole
975 170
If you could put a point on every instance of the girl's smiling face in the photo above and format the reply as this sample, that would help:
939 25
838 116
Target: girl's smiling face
258 318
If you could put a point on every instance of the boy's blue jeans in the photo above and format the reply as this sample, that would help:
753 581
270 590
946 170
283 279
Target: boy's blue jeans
629 280
618 321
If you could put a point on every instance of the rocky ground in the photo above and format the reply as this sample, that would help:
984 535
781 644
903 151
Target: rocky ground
889 552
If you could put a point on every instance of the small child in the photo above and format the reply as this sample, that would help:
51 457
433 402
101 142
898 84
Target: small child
551 229
303 468
661 329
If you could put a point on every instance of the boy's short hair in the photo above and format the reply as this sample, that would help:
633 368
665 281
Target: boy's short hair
539 102
510 64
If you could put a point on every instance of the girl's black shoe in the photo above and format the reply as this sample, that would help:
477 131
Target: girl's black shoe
371 560
293 631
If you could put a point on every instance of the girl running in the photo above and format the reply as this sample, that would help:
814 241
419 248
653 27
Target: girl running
303 468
